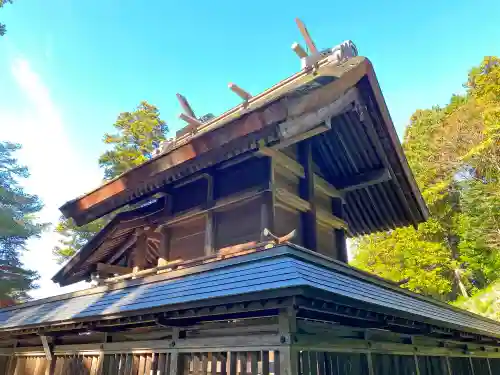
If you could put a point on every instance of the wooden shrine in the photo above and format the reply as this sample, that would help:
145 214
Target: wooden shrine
225 254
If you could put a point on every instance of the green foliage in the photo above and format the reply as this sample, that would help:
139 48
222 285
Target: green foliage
454 153
2 26
138 133
74 237
17 225
484 303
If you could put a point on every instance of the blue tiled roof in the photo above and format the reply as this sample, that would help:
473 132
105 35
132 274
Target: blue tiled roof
279 268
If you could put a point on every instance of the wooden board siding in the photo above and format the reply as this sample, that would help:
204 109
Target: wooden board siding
252 173
288 219
239 223
187 239
189 196
326 242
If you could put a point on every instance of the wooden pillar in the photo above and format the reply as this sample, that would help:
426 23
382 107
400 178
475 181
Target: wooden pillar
267 212
339 234
209 229
139 258
289 353
164 249
307 193
176 362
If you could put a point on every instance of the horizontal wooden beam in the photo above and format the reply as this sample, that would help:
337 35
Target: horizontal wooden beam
292 200
283 160
186 107
113 269
363 180
330 220
46 348
294 167
326 188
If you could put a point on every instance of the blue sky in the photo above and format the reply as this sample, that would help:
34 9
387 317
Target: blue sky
69 67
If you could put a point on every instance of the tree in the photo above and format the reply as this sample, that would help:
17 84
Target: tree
17 225
454 153
137 135
2 26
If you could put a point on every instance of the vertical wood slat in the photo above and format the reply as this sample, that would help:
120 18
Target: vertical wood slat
223 364
417 368
209 229
12 365
313 360
154 363
242 359
204 363
147 366
142 364
339 234
265 362
161 364
213 364
276 363
307 193
112 365
254 363
196 361
369 361
135 363
19 369
233 363
305 363
489 366
321 363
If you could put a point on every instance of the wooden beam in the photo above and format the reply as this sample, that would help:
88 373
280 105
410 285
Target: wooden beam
193 121
330 220
283 160
294 167
152 235
112 269
306 187
307 37
292 200
185 106
139 255
239 91
339 233
267 211
127 245
299 50
363 180
164 249
326 188
210 228
46 347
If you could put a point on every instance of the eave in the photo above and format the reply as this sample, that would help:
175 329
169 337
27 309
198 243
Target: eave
240 130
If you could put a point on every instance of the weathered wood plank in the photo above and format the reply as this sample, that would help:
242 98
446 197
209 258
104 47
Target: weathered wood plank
233 363
142 364
148 364
307 193
265 362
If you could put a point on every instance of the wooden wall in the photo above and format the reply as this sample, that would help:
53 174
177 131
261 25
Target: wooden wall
231 204
247 362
